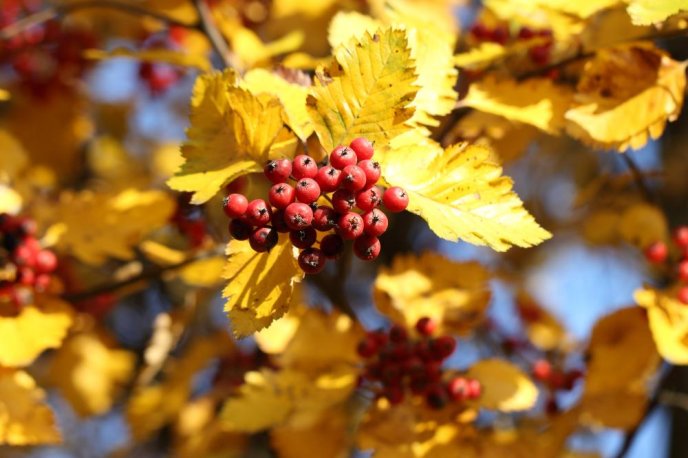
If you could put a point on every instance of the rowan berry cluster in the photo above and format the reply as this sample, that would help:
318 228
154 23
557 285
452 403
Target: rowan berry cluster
555 379
539 54
397 363
24 264
658 253
339 199
159 76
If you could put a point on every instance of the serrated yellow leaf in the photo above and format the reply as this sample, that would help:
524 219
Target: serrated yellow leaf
452 293
231 134
668 319
646 12
260 285
536 101
367 92
154 55
462 194
625 96
504 386
350 25
25 418
36 329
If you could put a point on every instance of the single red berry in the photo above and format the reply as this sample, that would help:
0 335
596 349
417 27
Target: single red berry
526 33
395 199
426 326
298 216
372 171
353 178
474 389
369 198
500 35
342 156
328 178
350 226
367 247
375 222
263 239
436 397
278 221
683 271
258 213
394 394
312 260
362 147
304 167
46 262
398 333
683 294
278 171
367 347
307 190
657 252
42 282
480 31
442 347
681 237
24 255
281 195
343 201
303 238
457 389
235 205
324 218
542 370
332 245
239 229
540 54
26 276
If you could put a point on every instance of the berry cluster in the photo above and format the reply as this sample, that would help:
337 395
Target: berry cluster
158 76
539 54
395 362
658 253
190 220
348 184
555 379
24 265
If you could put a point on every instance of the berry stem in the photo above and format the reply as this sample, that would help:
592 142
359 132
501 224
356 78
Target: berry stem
208 27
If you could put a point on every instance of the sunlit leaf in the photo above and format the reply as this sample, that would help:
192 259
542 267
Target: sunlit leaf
668 321
504 386
645 12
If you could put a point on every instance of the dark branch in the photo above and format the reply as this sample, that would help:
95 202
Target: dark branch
207 26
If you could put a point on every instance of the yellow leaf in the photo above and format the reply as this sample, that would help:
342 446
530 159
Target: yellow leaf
461 193
367 92
275 338
231 134
161 254
97 225
668 319
642 224
36 329
10 200
25 418
582 8
542 328
504 386
350 25
535 101
330 437
538 14
615 392
90 373
646 12
204 272
481 56
159 55
625 96
452 293
260 285
292 96
13 158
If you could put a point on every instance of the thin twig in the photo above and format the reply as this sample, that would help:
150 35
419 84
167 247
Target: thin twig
207 25
638 177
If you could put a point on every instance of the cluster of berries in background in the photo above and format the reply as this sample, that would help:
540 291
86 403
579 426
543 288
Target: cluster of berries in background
158 76
659 253
398 364
24 265
554 378
340 200
539 54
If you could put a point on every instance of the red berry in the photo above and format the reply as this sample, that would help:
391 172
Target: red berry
542 370
367 247
683 294
343 201
474 389
372 171
328 178
42 282
442 347
380 337
46 262
426 326
332 245
433 371
369 198
375 222
457 389
281 195
657 252
681 237
307 190
480 31
397 334
367 347
540 54
235 205
342 156
312 260
278 171
298 216
350 226
26 276
278 221
526 33
353 178
324 218
304 167
436 397
263 239
395 199
683 271
258 213
239 229
363 148
303 238
394 394
500 35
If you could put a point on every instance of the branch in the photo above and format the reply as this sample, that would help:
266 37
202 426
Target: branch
638 177
207 26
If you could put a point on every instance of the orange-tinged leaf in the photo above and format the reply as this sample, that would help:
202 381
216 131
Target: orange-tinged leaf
668 320
504 386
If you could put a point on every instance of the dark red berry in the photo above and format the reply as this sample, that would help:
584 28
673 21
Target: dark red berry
457 389
343 201
26 276
500 35
540 54
350 226
442 347
683 271
371 170
375 222
363 148
436 397
526 33
263 239
298 216
312 260
278 221
480 31
239 229
235 205
367 347
681 237
682 294
307 190
369 198
281 195
324 218
304 167
332 245
258 213
328 178
342 156
278 171
398 333
303 238
433 371
42 282
395 199
657 252
367 247
46 262
380 337
426 326
353 178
